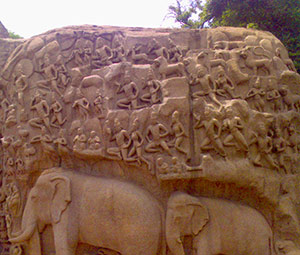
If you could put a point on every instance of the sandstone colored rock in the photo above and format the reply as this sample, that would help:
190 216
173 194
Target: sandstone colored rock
129 140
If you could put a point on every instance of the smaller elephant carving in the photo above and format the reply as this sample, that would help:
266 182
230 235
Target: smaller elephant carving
217 227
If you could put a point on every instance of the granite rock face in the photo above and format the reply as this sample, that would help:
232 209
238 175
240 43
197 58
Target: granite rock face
3 31
130 140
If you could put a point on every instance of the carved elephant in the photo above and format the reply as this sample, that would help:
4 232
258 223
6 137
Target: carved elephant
98 211
217 227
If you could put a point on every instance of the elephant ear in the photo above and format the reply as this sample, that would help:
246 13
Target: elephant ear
199 218
61 196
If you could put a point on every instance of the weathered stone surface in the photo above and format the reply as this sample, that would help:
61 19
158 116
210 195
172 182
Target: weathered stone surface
7 46
131 140
3 31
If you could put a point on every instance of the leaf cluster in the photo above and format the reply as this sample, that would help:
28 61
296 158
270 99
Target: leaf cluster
14 35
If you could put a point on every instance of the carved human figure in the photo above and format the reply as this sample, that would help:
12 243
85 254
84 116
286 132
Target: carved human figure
56 110
42 109
118 51
294 138
63 77
8 222
155 136
179 132
224 84
28 153
162 166
21 84
205 82
235 127
123 142
131 92
62 148
62 143
79 141
3 106
102 55
213 130
273 96
176 166
51 75
175 52
264 146
280 145
81 52
9 170
49 152
11 118
13 200
20 167
82 105
94 142
257 94
98 103
137 139
154 86
203 59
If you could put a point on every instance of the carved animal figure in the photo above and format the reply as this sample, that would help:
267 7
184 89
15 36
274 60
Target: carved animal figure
164 68
97 211
253 63
92 80
228 45
217 227
290 100
287 247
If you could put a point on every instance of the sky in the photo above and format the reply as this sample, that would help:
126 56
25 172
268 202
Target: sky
32 17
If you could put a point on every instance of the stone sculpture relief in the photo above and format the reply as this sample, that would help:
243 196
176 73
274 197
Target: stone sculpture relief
156 141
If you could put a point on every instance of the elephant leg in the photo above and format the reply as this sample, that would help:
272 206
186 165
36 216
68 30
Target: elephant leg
201 247
65 241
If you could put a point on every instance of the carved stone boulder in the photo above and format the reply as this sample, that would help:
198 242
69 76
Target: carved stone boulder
157 141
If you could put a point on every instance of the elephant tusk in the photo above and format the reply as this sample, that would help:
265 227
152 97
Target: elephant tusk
178 240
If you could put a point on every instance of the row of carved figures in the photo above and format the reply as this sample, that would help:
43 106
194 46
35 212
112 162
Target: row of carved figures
57 77
275 144
272 141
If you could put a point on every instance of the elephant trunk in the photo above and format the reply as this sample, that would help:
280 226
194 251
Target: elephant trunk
29 224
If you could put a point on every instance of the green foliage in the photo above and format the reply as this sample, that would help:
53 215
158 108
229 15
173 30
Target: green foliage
280 17
14 35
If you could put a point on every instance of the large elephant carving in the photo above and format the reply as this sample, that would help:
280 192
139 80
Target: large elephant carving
98 211
217 227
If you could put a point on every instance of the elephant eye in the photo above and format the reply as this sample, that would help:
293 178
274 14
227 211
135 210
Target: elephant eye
33 196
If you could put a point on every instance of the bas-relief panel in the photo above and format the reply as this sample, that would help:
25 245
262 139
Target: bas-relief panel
128 140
